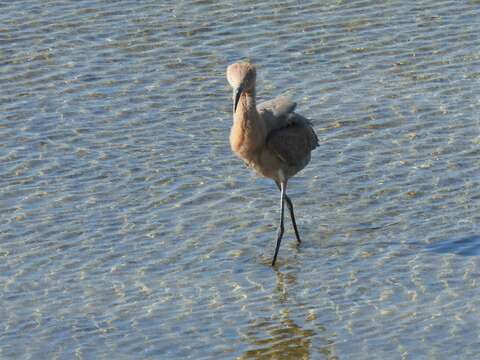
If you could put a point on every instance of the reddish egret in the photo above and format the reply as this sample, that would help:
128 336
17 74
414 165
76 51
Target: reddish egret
271 138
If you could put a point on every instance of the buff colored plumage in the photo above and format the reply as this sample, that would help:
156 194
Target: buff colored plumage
270 138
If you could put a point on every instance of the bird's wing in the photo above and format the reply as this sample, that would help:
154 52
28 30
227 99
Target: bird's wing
293 143
276 112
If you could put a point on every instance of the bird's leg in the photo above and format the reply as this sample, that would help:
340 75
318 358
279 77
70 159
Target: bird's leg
292 216
280 229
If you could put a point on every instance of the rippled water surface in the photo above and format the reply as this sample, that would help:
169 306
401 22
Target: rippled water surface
129 229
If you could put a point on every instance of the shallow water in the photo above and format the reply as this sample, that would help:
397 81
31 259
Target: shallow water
128 228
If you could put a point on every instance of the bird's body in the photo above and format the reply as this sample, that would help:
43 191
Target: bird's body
271 138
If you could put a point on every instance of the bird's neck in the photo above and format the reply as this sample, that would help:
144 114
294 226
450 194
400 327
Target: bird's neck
246 104
248 130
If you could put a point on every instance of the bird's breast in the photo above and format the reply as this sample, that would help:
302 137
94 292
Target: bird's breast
245 144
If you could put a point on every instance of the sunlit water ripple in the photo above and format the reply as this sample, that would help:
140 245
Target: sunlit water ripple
129 229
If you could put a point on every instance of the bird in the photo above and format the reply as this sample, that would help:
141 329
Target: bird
270 138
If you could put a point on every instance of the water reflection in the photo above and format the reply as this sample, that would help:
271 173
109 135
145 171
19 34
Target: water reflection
286 340
280 337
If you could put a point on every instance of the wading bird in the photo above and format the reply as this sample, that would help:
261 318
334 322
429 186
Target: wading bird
271 139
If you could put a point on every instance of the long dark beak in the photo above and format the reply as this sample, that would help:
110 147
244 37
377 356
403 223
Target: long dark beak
236 95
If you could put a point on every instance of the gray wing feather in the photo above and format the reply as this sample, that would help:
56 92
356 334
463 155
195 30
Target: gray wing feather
294 142
289 135
276 112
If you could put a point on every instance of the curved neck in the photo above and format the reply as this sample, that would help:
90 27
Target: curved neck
246 107
248 132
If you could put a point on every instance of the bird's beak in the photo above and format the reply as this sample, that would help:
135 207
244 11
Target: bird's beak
236 96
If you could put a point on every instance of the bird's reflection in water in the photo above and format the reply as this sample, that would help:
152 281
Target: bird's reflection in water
286 340
282 337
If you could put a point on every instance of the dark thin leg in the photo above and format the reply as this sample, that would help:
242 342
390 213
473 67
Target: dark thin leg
280 229
292 216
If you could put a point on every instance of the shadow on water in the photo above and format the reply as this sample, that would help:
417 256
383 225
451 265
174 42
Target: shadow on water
468 246
284 339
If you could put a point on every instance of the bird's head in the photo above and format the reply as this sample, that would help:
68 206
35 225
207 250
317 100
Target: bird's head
241 77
